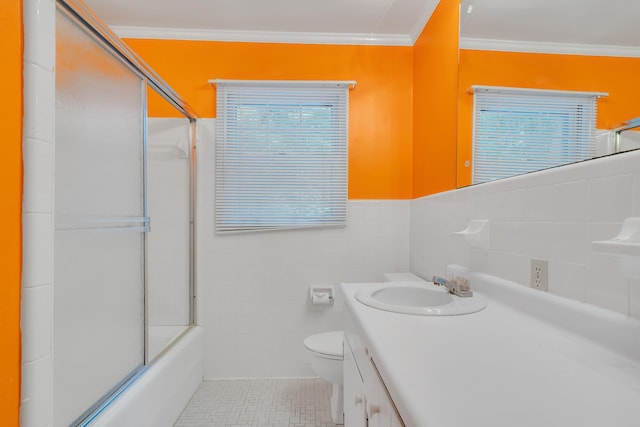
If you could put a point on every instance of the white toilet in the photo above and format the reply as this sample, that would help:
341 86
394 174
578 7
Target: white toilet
326 355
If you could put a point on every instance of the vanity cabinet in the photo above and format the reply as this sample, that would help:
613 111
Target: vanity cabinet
366 400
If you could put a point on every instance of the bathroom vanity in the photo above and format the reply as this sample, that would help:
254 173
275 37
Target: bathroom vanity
528 359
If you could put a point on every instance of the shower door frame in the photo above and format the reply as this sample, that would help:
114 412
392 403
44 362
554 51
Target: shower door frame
78 12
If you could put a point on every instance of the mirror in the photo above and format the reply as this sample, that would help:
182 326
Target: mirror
568 45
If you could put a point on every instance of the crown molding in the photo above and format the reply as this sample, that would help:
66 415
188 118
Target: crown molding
263 36
557 48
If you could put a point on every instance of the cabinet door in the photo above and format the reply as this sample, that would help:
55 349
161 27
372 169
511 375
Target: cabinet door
379 406
380 409
396 421
354 401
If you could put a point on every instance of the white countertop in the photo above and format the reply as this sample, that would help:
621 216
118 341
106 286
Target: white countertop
501 367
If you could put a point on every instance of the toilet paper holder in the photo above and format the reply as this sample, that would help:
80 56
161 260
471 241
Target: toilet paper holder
321 294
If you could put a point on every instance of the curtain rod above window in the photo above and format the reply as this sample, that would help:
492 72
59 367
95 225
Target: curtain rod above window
318 83
499 89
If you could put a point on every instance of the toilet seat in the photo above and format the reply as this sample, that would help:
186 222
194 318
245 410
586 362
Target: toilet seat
326 344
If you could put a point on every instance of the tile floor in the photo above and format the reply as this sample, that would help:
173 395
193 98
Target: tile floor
265 403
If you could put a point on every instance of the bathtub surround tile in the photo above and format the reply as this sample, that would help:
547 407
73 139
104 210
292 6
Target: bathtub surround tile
36 403
36 408
40 50
39 100
293 402
35 322
37 241
38 176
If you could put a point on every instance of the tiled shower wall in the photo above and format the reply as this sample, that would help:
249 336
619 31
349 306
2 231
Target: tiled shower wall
253 288
37 270
553 215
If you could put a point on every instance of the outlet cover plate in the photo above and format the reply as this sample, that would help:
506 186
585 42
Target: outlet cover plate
540 274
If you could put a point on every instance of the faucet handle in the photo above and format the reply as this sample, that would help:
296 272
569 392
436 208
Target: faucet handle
459 285
440 281
462 287
462 283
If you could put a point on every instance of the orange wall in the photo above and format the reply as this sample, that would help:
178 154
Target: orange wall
546 71
435 87
10 208
380 109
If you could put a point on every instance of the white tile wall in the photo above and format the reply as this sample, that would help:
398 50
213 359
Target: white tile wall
36 312
553 214
37 243
253 288
37 305
39 43
36 408
38 161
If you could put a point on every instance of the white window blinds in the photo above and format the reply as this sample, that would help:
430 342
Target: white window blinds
281 155
516 131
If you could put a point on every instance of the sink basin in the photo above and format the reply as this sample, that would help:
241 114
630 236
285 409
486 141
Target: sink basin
413 298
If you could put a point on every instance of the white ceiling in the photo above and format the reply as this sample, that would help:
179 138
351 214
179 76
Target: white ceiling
562 26
387 22
594 26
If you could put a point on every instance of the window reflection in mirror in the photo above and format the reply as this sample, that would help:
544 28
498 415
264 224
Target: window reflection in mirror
547 45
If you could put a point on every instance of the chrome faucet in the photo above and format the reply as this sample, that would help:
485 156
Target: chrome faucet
459 286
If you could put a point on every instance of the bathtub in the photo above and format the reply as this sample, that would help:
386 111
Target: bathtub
161 336
158 396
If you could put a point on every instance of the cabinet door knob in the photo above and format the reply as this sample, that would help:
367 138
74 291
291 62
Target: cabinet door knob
358 400
373 409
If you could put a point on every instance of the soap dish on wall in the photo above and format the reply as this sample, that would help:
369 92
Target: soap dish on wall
476 234
625 246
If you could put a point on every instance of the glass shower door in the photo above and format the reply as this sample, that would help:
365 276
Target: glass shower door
100 221
169 242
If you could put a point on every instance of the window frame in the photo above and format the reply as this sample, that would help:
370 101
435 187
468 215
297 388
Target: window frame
540 107
292 125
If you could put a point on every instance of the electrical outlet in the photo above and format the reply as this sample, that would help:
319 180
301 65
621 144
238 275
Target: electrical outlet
540 274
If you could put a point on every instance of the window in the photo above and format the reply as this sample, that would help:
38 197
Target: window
517 131
281 155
